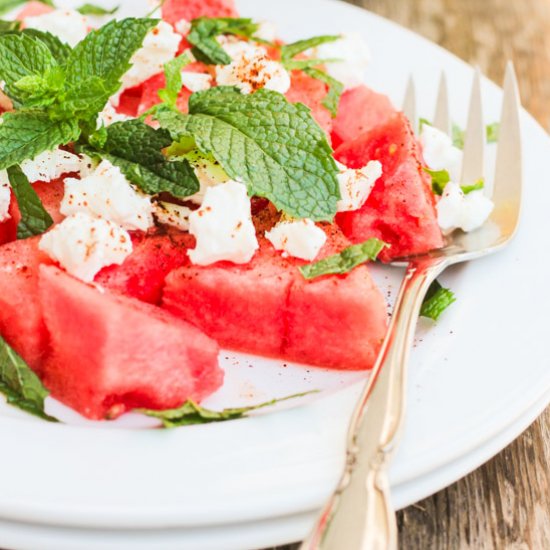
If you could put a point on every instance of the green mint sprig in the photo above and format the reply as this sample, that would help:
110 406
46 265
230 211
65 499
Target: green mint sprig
20 385
289 51
191 413
172 73
345 261
437 300
275 147
440 178
204 31
92 9
335 89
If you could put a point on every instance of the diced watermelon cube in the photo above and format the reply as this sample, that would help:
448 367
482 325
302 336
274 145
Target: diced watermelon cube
21 322
174 11
401 207
361 109
110 353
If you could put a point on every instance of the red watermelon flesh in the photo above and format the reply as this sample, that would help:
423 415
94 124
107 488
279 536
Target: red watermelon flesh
33 9
174 11
360 110
143 272
267 308
21 322
311 92
401 207
110 353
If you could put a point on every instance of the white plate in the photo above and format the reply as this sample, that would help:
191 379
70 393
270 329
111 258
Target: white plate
477 377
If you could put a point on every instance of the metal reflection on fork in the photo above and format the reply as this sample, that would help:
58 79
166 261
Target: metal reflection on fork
359 515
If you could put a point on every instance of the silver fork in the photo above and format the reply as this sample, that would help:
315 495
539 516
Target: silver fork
359 515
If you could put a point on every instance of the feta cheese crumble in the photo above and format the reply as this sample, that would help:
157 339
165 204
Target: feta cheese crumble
456 210
251 68
50 165
160 46
5 196
183 27
356 185
109 116
355 57
196 82
84 245
68 25
439 152
223 226
107 194
299 238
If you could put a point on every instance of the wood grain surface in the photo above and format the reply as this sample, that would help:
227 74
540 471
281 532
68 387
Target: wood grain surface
505 504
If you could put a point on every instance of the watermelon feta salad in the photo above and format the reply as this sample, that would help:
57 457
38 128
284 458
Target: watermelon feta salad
187 181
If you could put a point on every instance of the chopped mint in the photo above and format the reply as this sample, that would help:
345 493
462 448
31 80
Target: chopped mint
192 413
335 89
60 50
345 261
479 184
440 178
423 122
20 385
8 26
204 31
34 218
437 300
92 9
492 132
136 149
172 73
274 146
288 51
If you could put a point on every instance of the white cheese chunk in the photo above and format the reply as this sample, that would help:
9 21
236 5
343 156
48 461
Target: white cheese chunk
267 31
456 210
355 57
298 238
223 226
84 245
356 185
107 194
183 27
174 215
109 116
160 46
5 196
439 152
50 165
68 25
196 82
251 68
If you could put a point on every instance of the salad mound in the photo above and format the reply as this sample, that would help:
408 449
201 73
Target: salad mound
186 180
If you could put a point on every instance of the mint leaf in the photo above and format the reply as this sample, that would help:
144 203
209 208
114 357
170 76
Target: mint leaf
335 89
479 184
440 178
92 9
437 300
22 55
492 132
458 135
423 122
192 413
345 261
20 385
301 64
34 218
83 100
25 134
105 54
60 50
204 31
136 149
7 26
274 146
172 73
288 51
39 91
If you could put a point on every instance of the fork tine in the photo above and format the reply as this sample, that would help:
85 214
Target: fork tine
508 170
474 140
409 103
442 118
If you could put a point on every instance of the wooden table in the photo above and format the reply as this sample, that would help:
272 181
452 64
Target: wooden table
506 502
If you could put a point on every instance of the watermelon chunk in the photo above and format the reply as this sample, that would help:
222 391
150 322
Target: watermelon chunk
266 307
21 322
401 207
174 11
311 92
143 272
361 109
110 353
33 9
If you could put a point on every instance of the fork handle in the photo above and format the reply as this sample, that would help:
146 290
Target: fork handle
359 514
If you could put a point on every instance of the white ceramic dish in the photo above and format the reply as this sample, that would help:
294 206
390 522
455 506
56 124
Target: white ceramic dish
478 378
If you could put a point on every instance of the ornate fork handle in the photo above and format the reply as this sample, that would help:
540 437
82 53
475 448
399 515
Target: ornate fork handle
359 515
